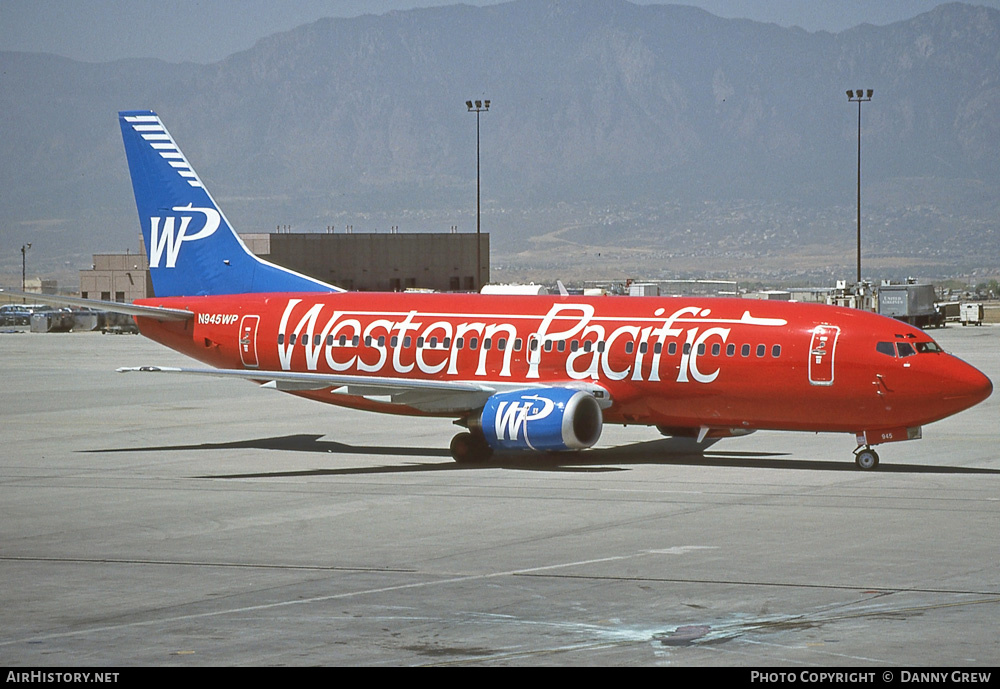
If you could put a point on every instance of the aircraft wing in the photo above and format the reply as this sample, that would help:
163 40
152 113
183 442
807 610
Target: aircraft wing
159 313
431 396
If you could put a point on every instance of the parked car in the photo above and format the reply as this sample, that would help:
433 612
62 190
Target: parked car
18 314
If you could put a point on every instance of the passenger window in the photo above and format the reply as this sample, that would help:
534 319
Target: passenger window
886 348
905 349
643 346
672 348
629 347
760 351
281 338
473 343
317 339
502 343
716 349
701 349
291 339
730 349
745 350
657 348
776 351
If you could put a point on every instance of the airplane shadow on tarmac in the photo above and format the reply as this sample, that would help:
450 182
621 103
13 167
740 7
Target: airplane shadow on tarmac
663 452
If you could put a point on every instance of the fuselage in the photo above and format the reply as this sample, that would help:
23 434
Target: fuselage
677 363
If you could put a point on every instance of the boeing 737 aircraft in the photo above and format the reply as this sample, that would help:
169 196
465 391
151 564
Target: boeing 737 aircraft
523 373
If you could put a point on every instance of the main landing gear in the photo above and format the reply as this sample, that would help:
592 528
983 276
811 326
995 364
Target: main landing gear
470 448
866 458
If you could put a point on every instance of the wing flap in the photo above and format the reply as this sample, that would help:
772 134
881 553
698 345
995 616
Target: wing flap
432 396
425 395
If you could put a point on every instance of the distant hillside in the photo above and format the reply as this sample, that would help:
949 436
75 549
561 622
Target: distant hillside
666 115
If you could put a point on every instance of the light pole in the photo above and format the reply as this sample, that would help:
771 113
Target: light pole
859 96
478 107
24 253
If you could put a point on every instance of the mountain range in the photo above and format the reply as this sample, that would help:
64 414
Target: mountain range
654 139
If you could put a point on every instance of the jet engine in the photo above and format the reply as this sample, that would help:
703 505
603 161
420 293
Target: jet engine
542 419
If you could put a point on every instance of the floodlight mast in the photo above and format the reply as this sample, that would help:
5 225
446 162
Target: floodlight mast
24 253
859 96
478 107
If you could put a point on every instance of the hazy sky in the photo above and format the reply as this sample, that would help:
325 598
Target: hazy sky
209 30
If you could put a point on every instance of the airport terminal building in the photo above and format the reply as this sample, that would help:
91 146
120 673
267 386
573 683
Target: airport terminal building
367 262
117 277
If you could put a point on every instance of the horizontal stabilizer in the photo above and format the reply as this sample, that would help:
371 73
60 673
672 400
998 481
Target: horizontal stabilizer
159 313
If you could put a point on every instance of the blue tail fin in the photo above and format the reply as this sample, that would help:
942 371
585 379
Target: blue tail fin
192 248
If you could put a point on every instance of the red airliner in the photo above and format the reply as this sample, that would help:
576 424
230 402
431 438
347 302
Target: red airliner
544 373
524 373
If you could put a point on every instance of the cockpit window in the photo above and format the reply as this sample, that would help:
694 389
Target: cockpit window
905 349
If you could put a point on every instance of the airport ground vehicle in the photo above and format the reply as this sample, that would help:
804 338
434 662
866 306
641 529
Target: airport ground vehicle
971 314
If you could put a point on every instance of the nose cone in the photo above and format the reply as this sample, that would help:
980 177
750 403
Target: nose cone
967 386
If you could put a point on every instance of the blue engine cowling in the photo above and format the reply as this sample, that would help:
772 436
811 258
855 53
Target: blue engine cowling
543 419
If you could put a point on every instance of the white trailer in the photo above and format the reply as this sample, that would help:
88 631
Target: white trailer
971 314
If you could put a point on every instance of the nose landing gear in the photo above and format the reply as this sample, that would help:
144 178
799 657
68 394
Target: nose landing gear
866 458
